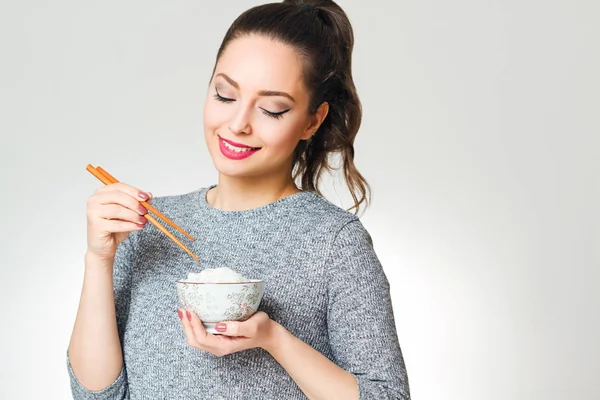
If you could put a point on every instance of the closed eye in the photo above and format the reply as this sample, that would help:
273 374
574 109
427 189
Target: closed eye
221 98
276 115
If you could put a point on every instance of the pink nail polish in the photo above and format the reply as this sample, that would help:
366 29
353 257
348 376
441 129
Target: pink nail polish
221 327
143 196
142 220
142 209
189 315
180 314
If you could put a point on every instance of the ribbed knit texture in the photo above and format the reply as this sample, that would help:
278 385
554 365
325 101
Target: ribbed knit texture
323 282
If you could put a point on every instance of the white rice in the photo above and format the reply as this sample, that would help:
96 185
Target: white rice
216 275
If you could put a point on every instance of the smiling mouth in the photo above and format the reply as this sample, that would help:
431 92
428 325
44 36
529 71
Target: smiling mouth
237 147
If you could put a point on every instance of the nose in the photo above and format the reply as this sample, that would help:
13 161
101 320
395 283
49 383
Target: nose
240 124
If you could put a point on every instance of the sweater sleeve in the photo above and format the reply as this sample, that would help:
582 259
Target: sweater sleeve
360 318
118 390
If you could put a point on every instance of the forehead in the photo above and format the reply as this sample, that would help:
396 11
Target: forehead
260 63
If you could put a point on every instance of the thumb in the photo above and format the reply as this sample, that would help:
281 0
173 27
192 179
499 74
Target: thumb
232 328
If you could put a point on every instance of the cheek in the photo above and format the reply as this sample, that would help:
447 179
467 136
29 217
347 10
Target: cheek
214 116
283 135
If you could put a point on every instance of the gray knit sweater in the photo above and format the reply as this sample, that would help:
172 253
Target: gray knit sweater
323 282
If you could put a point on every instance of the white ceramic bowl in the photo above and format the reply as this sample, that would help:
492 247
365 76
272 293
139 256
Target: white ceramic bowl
218 302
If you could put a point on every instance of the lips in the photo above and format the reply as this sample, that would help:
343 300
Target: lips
236 151
240 145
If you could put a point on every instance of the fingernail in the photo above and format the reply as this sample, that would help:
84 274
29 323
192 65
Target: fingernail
142 209
142 221
143 196
180 314
189 315
221 327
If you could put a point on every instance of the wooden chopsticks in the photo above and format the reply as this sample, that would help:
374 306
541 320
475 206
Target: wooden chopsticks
108 179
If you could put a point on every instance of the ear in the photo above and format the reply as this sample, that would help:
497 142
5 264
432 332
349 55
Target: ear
316 120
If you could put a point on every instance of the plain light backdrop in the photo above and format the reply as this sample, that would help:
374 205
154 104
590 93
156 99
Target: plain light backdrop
480 139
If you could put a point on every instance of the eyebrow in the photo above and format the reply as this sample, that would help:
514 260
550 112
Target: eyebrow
261 93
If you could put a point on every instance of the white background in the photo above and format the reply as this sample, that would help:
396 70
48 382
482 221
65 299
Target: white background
480 139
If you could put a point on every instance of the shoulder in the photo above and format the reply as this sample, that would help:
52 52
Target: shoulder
345 225
183 209
190 205
172 203
320 209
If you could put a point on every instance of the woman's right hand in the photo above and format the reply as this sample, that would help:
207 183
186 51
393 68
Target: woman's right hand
112 212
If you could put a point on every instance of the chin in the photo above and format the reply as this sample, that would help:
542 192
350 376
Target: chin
233 169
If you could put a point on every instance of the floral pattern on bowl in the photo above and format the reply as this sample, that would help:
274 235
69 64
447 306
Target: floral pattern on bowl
217 302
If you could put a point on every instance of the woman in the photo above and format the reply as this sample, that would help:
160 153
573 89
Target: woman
280 103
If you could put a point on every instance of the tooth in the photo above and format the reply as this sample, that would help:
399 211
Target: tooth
235 148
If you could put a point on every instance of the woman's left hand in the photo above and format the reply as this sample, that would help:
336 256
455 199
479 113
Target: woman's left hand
257 331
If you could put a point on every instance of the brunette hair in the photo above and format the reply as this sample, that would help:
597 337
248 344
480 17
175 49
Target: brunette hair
322 34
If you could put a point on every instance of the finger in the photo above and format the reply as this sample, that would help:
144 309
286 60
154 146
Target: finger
187 328
215 344
115 226
120 213
119 198
197 327
245 329
127 189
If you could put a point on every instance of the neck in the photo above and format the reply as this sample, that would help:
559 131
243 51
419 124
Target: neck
239 194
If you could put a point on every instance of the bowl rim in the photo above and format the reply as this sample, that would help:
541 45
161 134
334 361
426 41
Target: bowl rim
219 283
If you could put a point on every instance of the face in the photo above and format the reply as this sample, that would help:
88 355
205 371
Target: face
256 110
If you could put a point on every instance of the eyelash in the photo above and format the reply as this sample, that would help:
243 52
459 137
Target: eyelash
226 100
